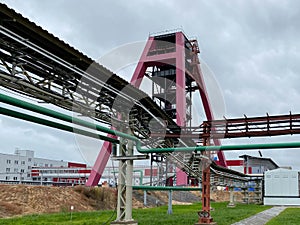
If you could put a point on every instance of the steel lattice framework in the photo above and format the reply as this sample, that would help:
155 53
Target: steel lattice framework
35 63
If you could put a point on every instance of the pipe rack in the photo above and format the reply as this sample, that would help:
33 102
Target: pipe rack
66 118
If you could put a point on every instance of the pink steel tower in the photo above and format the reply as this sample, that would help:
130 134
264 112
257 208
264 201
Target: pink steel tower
171 62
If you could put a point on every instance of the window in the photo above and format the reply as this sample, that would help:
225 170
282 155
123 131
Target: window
16 162
8 161
35 164
22 170
7 169
15 170
29 167
7 178
23 162
46 165
29 159
28 175
15 178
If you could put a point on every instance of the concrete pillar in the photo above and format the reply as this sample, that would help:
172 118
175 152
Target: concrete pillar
145 198
170 211
231 197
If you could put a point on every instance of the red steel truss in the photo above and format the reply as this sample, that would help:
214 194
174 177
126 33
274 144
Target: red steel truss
253 127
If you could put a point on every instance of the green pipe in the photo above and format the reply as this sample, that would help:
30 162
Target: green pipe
52 124
165 188
48 112
223 147
57 115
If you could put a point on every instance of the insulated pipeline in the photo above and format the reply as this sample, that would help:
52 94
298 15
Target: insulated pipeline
66 118
52 124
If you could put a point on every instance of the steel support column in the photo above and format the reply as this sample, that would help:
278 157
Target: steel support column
204 214
100 163
124 207
180 81
129 175
121 182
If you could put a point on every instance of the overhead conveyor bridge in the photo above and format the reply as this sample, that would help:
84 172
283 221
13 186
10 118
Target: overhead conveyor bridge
37 64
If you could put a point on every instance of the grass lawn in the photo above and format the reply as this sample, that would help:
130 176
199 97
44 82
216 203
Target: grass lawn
182 214
290 216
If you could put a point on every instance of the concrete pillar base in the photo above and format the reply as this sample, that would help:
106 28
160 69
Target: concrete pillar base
211 223
231 205
131 222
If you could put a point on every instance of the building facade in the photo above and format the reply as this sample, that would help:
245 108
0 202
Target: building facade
251 165
23 166
282 187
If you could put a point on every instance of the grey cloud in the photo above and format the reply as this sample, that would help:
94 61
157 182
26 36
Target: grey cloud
46 142
251 46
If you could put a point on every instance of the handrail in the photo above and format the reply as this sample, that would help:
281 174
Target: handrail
135 171
166 188
224 147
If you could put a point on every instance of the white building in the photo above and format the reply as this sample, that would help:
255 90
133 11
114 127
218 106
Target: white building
281 187
18 166
23 166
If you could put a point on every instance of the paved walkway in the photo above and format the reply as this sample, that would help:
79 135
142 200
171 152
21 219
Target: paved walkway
262 217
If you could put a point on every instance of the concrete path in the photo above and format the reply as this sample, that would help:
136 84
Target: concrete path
262 217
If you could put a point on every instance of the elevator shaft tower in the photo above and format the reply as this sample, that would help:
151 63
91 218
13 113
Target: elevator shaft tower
171 61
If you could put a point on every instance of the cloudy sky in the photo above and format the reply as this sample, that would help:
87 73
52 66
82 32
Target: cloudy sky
252 48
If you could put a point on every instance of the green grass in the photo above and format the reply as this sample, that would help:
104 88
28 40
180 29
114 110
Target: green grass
290 216
225 216
182 214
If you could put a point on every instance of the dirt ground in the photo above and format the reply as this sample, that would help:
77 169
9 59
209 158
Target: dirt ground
23 199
